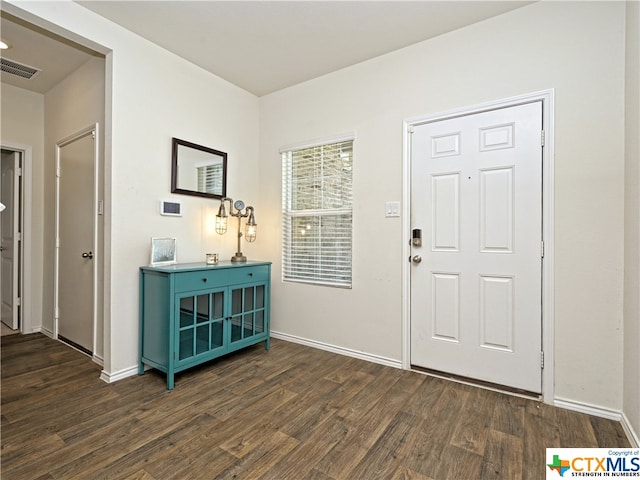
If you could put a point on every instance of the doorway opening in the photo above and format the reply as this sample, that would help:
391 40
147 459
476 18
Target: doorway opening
15 245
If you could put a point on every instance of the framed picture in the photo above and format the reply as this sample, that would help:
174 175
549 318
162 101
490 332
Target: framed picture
163 251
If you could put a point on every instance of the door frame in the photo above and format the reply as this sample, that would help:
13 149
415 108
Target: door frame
25 272
13 202
547 98
94 131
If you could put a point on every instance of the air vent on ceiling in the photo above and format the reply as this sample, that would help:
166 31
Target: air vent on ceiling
18 69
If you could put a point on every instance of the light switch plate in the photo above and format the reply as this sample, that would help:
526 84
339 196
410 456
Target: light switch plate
392 209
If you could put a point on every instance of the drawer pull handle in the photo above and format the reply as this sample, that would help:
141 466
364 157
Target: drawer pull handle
251 274
204 280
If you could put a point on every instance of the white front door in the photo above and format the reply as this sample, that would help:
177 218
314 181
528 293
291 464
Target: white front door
9 239
476 197
76 214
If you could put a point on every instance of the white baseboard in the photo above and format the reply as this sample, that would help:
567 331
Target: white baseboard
119 375
44 331
618 416
98 359
131 371
588 409
389 362
631 434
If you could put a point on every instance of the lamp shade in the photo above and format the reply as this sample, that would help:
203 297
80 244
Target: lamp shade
251 228
221 220
250 232
221 225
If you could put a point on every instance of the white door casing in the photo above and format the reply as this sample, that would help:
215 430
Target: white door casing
476 193
76 252
10 240
23 211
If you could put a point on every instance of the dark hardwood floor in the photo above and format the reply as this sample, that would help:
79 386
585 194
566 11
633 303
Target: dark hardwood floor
293 412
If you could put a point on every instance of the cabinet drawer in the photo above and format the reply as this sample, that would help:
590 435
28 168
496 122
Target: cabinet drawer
202 279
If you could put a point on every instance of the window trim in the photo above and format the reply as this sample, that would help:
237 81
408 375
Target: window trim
347 137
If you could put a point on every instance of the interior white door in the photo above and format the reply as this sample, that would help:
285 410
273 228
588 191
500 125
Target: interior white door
9 240
476 195
76 198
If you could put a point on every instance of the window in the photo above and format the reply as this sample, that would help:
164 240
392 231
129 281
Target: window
317 213
210 178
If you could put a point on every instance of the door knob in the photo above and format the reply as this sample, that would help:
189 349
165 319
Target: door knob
416 259
87 255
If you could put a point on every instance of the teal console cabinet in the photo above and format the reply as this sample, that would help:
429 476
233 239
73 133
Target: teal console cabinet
191 313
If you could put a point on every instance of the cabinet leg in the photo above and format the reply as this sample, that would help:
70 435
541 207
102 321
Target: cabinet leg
140 368
267 344
170 382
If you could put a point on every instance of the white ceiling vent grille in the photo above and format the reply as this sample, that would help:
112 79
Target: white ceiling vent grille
18 69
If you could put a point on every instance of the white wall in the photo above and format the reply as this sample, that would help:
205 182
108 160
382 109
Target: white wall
157 96
575 48
22 123
152 95
73 105
631 375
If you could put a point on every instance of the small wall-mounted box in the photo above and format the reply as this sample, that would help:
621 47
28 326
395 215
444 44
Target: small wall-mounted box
173 209
392 209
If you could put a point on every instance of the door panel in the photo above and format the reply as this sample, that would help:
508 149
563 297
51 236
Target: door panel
76 241
445 295
476 295
496 210
445 223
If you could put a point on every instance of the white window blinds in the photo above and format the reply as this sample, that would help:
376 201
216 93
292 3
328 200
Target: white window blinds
210 178
317 214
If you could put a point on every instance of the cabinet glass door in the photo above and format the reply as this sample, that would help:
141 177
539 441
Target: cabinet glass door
259 314
201 324
247 312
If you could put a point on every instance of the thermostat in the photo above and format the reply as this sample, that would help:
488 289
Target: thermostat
173 209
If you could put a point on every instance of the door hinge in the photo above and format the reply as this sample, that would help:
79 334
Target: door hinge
542 360
542 249
410 129
542 138
19 172
93 134
19 301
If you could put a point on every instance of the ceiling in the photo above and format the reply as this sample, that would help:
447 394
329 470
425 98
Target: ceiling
55 56
260 46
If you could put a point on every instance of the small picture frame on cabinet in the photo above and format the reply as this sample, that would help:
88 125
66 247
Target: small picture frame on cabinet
163 251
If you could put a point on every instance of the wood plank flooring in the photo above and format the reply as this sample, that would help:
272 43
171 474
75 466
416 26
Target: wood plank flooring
293 412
